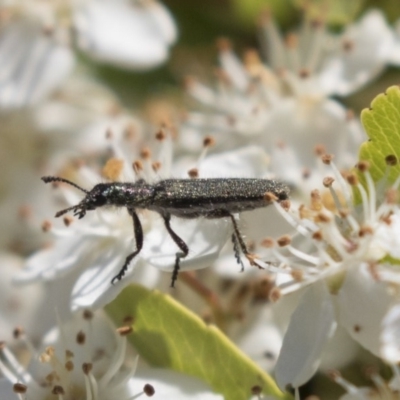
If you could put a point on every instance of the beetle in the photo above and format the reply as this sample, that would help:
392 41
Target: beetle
182 198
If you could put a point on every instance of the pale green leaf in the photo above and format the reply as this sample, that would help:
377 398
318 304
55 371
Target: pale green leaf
382 124
168 335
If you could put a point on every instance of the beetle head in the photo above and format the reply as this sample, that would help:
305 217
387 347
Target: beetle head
93 199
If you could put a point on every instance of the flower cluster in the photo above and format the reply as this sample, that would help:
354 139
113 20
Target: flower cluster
300 286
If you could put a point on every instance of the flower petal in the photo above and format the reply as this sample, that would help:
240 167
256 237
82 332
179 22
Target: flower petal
204 237
362 304
124 33
33 64
310 327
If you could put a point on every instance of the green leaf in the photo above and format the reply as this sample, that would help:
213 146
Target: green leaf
335 12
168 335
382 124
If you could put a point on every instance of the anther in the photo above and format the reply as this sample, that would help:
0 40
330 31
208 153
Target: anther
317 236
208 141
319 150
275 294
285 204
69 354
137 166
24 212
224 44
323 218
284 240
193 173
19 388
327 158
149 390
297 275
18 331
256 390
156 166
81 338
58 390
365 230
352 179
46 225
268 243
328 181
124 330
87 368
270 197
145 153
391 160
68 220
87 315
363 166
69 366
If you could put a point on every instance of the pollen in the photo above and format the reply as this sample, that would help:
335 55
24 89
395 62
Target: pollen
46 225
270 197
208 141
113 169
193 173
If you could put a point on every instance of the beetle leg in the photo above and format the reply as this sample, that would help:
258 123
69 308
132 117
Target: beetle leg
239 241
236 250
179 242
138 233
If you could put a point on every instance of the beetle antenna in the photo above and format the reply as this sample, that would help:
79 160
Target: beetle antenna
48 179
62 212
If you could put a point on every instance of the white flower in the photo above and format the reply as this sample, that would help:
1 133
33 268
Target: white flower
19 306
379 390
37 38
319 63
93 250
72 125
336 259
34 62
131 34
86 358
284 105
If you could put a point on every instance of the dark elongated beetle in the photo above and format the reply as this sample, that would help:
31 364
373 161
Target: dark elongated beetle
183 198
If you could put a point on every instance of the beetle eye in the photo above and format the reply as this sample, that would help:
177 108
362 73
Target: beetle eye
99 201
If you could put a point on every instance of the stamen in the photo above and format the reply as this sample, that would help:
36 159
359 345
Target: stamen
272 43
200 92
293 51
116 362
315 45
232 66
351 389
11 368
